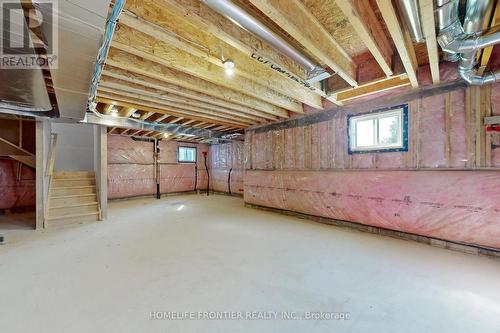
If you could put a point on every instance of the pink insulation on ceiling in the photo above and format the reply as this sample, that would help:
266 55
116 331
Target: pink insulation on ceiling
460 206
226 168
131 170
16 192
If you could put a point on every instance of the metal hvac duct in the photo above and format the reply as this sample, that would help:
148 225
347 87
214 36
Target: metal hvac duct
412 17
462 42
241 18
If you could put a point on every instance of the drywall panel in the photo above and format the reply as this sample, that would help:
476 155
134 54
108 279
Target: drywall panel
75 146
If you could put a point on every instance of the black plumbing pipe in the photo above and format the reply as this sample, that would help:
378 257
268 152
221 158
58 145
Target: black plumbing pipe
156 150
157 160
229 180
195 177
208 174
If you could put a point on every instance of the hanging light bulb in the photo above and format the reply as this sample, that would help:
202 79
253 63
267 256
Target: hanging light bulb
229 67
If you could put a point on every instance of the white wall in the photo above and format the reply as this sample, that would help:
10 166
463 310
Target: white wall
76 146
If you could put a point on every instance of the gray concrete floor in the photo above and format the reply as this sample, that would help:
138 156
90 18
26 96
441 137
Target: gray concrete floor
198 253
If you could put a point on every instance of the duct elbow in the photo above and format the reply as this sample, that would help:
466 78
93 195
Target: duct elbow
470 76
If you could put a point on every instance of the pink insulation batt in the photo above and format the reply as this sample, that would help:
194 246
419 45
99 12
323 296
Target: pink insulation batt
16 193
226 169
131 170
428 203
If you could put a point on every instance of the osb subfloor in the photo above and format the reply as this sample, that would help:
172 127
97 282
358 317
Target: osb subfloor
197 253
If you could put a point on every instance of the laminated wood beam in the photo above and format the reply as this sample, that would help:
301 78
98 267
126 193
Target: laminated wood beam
404 49
138 65
147 47
296 20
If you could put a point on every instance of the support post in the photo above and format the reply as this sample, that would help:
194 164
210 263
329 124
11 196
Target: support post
102 172
42 136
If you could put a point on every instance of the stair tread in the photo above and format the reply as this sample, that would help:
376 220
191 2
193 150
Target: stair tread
74 205
76 186
74 178
58 217
72 196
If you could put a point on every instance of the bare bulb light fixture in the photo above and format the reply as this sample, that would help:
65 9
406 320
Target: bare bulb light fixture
228 67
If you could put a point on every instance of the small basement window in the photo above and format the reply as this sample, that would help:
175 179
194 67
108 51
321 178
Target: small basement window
379 131
187 155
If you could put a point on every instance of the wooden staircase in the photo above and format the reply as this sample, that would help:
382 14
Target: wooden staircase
72 199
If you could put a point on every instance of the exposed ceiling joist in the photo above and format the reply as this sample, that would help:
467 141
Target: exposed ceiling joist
136 64
179 100
147 47
294 18
374 87
391 19
147 115
181 34
367 26
177 106
127 112
486 53
108 108
175 120
225 30
158 108
162 117
429 30
138 79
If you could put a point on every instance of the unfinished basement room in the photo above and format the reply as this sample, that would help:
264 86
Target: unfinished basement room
308 166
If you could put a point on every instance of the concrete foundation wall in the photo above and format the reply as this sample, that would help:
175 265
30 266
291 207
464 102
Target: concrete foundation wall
226 168
308 169
131 169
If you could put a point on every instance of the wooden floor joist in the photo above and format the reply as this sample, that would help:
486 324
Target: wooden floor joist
161 109
428 27
367 26
147 47
193 36
134 88
141 80
373 87
293 17
391 19
136 64
177 106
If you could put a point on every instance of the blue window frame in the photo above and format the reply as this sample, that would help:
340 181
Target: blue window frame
383 130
